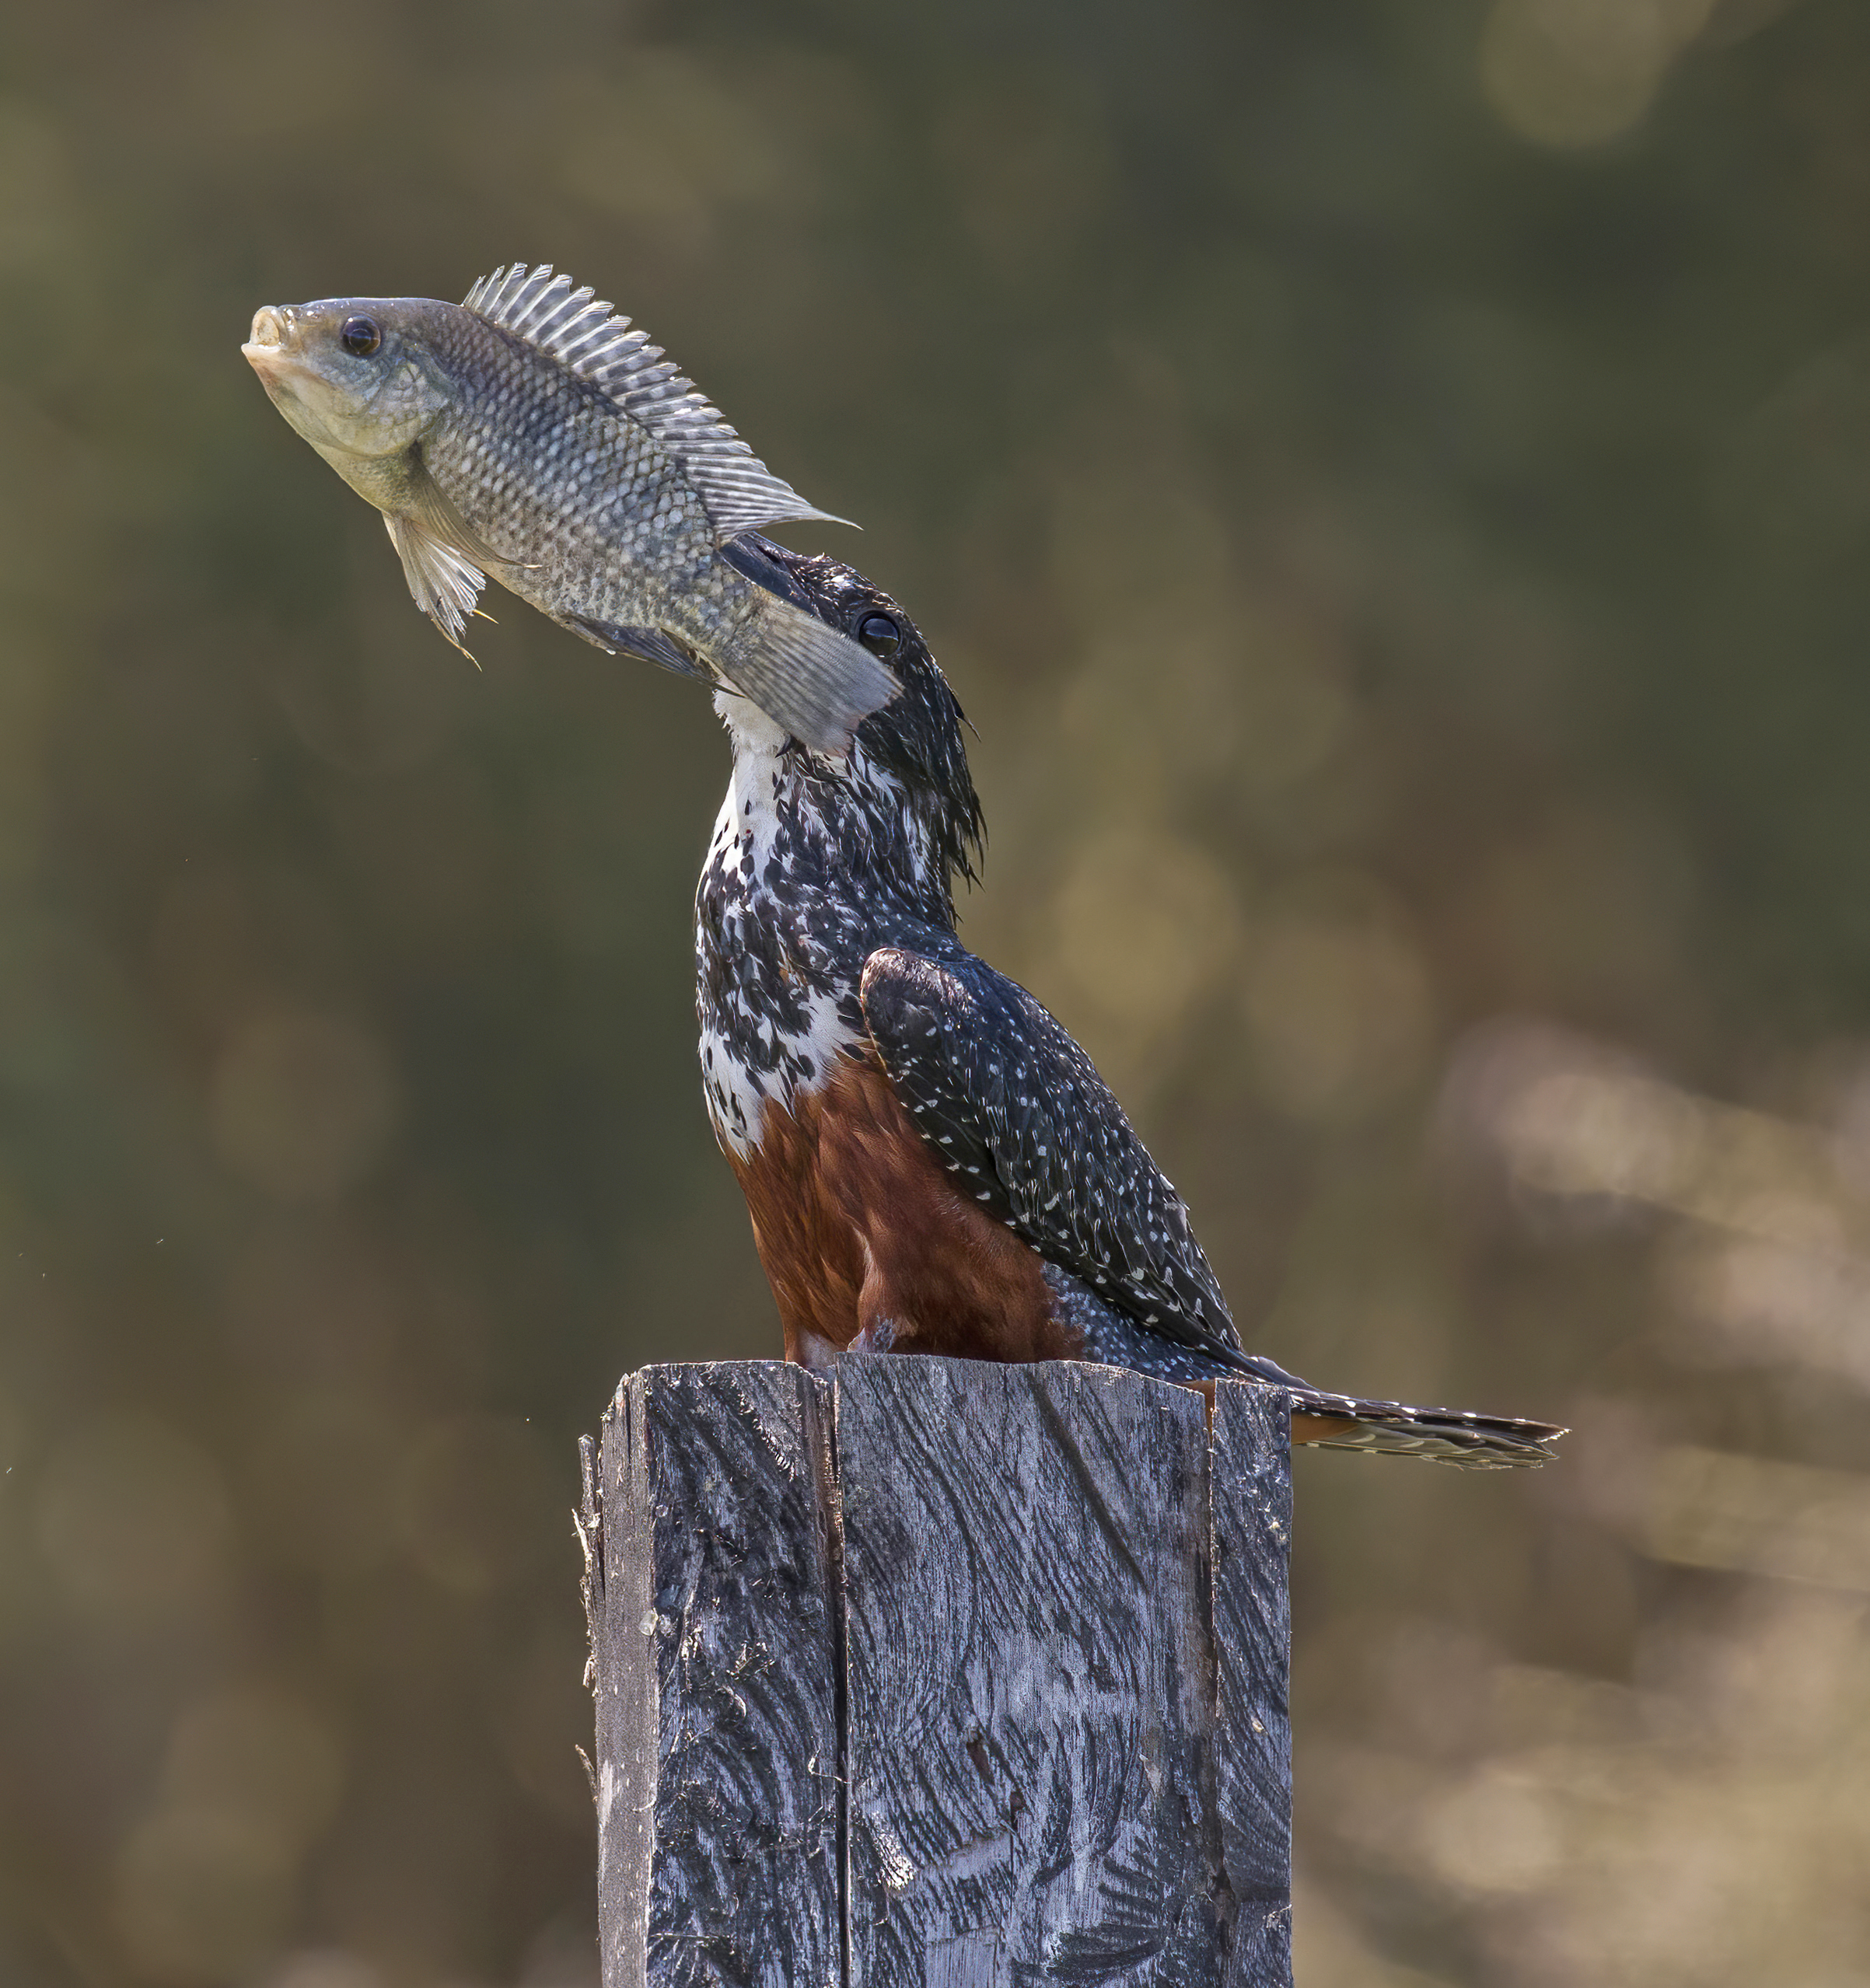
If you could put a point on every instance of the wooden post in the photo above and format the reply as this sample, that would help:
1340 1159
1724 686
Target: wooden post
941 1673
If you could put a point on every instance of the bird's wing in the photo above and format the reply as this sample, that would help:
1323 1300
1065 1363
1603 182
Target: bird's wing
1015 1110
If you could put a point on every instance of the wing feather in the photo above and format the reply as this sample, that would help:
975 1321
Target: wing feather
1014 1109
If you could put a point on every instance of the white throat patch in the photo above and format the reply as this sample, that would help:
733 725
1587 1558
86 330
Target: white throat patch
750 1058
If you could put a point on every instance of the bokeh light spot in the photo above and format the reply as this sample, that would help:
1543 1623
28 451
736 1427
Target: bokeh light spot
1146 923
1338 1000
475 1490
1578 72
302 1105
133 1519
201 1896
259 1755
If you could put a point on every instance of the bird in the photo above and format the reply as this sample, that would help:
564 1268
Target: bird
931 1163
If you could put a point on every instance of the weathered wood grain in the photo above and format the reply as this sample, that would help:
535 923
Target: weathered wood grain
1251 1531
713 1638
1030 1676
941 1673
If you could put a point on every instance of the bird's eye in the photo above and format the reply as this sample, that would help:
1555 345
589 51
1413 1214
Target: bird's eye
880 635
359 336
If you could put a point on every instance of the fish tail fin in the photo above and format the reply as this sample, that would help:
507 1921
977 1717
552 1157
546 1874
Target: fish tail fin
803 674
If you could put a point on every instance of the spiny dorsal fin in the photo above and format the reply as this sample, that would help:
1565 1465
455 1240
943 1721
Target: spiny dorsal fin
587 338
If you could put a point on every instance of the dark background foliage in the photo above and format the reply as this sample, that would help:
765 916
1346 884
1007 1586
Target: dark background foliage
1391 484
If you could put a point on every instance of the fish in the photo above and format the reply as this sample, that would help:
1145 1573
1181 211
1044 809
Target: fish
531 434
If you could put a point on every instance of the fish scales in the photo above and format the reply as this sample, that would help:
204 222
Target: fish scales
599 515
532 435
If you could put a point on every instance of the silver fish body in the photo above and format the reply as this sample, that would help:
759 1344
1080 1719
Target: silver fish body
531 434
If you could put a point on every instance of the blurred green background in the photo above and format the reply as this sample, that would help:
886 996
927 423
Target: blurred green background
1391 484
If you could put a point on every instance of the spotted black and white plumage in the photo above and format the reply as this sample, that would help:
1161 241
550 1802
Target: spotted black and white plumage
815 863
1016 1111
825 935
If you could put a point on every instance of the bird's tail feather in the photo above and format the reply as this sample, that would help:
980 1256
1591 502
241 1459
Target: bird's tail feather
1438 1435
1393 1428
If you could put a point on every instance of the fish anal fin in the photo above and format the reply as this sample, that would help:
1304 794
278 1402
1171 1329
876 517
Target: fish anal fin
649 644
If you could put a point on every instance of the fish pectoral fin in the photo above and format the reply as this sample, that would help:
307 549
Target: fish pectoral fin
445 560
651 645
804 674
443 582
427 504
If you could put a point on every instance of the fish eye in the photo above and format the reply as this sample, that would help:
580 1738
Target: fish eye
359 336
880 635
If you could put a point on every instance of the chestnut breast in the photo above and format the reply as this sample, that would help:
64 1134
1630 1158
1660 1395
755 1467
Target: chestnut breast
858 1224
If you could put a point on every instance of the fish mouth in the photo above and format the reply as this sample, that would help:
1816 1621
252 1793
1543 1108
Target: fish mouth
268 345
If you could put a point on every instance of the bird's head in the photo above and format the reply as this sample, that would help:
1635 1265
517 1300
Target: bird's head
914 740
